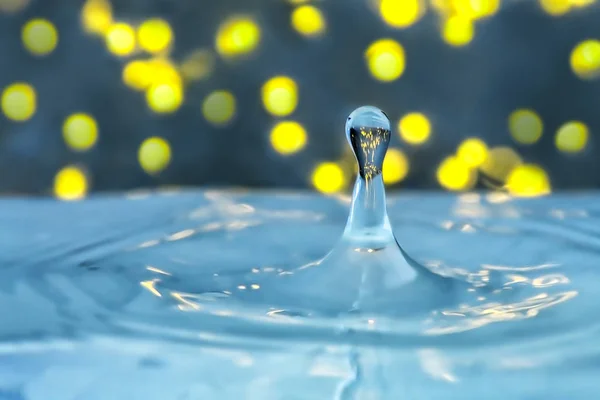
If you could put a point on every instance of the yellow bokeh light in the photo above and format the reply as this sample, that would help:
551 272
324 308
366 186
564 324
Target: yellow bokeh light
39 37
328 178
525 126
473 152
137 74
280 95
120 39
528 180
155 35
198 65
555 7
154 155
219 107
499 163
70 183
571 137
458 30
80 131
475 9
454 174
581 3
288 137
96 16
585 59
12 6
414 128
308 21
385 59
401 13
165 98
237 36
19 101
395 166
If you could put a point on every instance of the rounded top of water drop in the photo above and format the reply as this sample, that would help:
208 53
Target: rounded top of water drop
368 117
368 132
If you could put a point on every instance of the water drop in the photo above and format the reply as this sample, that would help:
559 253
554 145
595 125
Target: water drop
367 270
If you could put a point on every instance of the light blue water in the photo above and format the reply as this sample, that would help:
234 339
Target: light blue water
80 318
268 295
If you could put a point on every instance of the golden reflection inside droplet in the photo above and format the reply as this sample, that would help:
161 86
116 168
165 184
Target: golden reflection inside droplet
498 197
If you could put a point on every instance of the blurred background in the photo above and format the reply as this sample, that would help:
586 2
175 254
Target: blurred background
102 95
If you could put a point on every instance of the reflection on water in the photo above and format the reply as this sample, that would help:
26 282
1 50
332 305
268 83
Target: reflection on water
194 295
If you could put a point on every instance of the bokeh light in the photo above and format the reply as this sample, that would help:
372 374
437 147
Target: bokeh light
585 59
525 126
70 183
401 14
80 131
308 21
12 6
499 163
280 95
165 98
328 178
197 65
395 166
528 180
155 35
385 60
219 107
120 39
288 137
458 30
96 16
473 152
454 174
19 101
154 155
571 137
39 37
137 74
475 9
555 8
414 128
237 36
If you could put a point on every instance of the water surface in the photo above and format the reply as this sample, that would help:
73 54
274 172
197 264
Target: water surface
196 295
